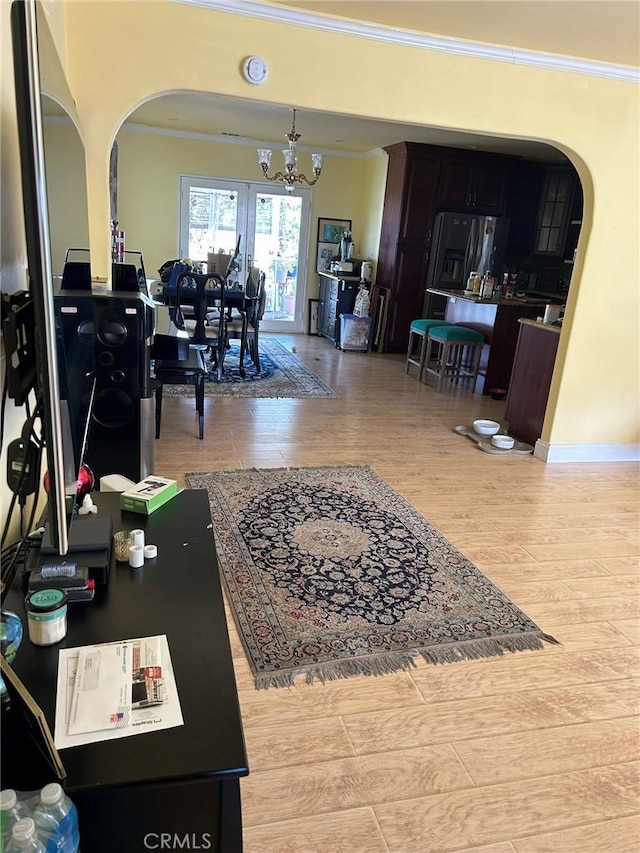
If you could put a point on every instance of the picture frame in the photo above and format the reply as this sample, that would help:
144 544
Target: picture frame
330 233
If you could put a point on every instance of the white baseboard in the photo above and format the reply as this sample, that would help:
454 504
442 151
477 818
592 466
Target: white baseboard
586 452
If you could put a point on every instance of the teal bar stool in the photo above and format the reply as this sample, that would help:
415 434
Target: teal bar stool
418 331
452 362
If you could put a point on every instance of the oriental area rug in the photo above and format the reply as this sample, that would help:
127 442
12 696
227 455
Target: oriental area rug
331 573
282 376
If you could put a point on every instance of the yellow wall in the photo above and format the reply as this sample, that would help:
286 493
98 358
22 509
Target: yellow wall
149 169
594 397
66 191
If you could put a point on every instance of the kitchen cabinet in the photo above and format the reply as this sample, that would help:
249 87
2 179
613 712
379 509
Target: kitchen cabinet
477 183
574 226
554 210
423 180
409 204
337 296
522 209
533 365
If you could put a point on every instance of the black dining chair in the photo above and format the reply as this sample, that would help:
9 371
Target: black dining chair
204 291
254 317
238 318
176 363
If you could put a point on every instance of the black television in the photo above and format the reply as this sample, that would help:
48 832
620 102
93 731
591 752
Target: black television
26 18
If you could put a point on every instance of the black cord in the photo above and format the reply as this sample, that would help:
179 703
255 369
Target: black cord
7 523
3 406
23 473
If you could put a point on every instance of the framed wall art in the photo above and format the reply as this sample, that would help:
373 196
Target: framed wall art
330 233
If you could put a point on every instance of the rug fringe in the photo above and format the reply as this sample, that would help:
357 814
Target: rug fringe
404 661
488 647
333 670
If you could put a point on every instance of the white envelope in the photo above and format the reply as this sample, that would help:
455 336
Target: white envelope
102 691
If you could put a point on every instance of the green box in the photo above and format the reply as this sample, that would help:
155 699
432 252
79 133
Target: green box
149 494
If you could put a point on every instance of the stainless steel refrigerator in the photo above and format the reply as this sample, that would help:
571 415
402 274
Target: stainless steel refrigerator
462 243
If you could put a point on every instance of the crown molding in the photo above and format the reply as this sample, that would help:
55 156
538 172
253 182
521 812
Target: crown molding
243 140
439 44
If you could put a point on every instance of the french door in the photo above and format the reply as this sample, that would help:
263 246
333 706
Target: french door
273 226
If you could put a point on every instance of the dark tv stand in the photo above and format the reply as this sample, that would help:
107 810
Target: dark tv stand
184 781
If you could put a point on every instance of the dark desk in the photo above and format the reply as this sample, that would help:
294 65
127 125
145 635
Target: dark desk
183 780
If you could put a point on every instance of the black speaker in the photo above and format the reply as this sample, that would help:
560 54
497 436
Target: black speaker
120 439
75 343
104 338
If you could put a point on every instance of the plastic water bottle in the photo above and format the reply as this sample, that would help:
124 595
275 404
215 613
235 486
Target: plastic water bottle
24 838
11 811
56 818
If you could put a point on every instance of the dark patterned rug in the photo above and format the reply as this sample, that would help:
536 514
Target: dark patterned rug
331 573
282 375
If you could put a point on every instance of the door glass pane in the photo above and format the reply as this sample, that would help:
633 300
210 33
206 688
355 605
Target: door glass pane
276 251
213 222
272 227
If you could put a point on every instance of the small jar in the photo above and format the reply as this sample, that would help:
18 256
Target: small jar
47 616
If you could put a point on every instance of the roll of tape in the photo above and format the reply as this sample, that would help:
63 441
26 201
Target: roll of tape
136 556
137 537
150 552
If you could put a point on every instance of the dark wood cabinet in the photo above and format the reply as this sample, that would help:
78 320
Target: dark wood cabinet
477 183
523 207
409 205
533 365
337 296
554 210
574 226
421 181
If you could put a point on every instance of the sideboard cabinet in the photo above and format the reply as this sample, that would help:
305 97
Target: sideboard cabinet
336 296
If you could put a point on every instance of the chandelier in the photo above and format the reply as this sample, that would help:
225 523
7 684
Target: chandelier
290 176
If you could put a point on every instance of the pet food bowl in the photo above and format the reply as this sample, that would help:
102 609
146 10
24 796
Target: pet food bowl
483 427
504 442
497 393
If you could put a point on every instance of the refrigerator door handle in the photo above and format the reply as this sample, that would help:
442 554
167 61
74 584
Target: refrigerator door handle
470 253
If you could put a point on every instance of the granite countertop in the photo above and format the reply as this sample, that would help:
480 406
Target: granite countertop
547 326
474 297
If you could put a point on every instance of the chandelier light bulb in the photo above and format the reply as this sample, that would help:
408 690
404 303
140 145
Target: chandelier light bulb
291 177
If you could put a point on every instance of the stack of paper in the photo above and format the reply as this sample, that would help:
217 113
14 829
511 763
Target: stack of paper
115 690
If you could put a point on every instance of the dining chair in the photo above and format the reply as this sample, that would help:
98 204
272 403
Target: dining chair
185 371
254 317
202 291
176 363
237 321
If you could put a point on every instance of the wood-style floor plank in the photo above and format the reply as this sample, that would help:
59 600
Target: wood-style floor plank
447 822
621 835
348 783
355 830
375 765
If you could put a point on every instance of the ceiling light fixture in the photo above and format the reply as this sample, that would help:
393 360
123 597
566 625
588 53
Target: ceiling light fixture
290 176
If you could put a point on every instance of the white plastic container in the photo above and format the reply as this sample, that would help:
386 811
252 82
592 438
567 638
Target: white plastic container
47 616
355 332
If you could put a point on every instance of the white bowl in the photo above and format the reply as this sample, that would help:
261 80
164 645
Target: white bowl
483 427
504 442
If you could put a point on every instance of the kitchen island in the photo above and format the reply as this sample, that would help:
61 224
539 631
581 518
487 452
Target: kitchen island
497 320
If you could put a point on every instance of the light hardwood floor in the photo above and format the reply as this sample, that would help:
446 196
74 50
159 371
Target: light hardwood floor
535 752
